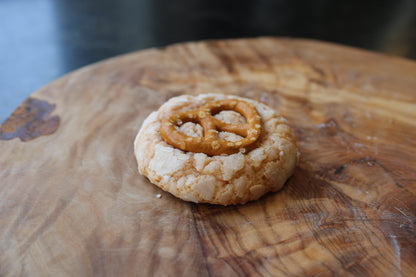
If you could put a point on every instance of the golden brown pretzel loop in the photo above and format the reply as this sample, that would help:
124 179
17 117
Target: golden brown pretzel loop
210 143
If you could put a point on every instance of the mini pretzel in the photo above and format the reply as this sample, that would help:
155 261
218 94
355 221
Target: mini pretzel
210 143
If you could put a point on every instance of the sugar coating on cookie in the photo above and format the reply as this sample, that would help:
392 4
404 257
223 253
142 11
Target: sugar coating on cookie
220 179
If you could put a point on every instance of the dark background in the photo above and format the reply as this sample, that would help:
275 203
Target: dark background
40 40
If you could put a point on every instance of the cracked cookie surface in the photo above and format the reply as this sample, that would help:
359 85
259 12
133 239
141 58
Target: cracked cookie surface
221 179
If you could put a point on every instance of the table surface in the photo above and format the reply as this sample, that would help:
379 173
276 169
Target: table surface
42 40
72 202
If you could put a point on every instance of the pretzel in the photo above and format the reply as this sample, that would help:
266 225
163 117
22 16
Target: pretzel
210 143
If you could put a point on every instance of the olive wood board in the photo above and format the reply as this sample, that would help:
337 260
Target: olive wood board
72 202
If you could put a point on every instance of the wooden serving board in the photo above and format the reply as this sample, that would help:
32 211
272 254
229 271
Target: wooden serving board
72 202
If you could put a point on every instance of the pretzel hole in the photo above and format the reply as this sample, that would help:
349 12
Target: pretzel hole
230 117
191 129
227 136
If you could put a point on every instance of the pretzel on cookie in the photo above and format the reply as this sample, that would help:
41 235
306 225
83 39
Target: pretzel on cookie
210 143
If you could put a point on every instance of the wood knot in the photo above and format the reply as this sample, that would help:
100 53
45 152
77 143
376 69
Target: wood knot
30 120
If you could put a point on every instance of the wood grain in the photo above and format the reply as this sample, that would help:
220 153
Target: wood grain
73 204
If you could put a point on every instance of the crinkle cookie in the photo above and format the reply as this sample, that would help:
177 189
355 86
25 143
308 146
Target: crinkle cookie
224 166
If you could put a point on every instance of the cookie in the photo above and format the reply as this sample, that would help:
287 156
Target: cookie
214 148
